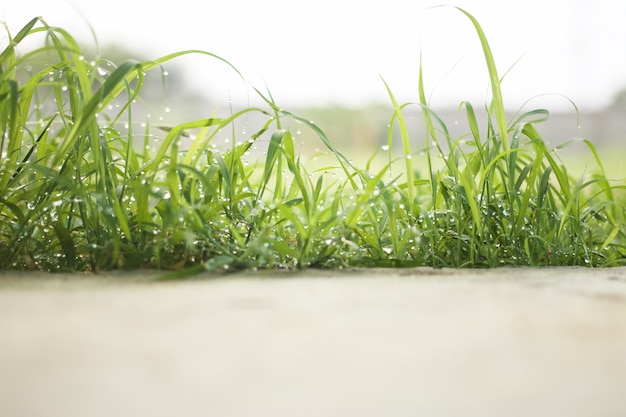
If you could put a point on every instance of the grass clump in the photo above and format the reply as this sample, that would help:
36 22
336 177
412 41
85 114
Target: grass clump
82 187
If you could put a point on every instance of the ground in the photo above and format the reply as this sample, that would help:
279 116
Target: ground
414 342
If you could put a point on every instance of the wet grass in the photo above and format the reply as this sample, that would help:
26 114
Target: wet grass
84 187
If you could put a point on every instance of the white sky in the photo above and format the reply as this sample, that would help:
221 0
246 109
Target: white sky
333 50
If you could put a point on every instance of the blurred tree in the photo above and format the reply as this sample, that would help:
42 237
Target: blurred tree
619 101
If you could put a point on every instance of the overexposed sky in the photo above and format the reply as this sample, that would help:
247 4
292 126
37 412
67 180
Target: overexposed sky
332 51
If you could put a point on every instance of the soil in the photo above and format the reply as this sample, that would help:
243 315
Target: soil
414 342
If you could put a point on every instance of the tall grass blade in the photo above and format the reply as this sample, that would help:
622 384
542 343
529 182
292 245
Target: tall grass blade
497 104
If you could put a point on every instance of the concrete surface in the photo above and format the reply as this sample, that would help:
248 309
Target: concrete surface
415 342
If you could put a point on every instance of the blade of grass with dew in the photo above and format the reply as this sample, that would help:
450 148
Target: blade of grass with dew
406 146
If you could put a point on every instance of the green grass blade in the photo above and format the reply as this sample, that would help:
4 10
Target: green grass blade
497 104
406 147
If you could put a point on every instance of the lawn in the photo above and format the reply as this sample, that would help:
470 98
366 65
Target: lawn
85 186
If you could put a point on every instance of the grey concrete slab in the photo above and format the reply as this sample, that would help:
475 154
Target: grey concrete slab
415 342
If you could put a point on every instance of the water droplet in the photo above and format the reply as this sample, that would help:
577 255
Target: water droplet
385 147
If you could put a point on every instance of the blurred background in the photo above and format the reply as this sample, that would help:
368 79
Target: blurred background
324 60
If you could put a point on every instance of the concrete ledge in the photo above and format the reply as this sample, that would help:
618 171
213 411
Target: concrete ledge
414 342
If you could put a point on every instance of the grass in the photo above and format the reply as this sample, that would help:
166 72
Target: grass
83 187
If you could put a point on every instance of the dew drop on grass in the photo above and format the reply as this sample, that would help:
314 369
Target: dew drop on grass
385 147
